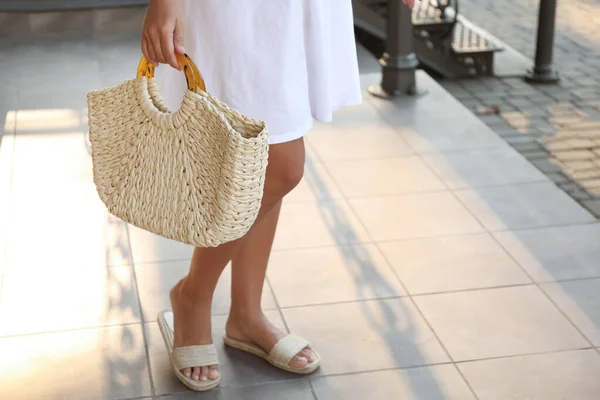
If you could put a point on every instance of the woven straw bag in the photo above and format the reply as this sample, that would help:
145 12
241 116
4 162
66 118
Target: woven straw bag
195 175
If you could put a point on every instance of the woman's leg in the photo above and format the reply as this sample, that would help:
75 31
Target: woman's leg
191 298
246 320
249 265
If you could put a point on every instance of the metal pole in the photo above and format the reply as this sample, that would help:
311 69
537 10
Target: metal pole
543 70
399 62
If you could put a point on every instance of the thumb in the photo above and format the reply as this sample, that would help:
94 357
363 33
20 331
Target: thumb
178 37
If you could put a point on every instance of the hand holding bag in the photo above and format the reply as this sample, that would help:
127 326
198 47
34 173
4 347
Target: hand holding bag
195 175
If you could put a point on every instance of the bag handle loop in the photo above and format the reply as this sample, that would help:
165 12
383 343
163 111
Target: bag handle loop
194 79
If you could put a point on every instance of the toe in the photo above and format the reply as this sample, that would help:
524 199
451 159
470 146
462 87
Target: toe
298 362
308 354
196 373
213 372
187 372
204 374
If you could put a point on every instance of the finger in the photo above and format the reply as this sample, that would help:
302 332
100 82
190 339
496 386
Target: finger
178 38
145 49
169 51
152 52
156 43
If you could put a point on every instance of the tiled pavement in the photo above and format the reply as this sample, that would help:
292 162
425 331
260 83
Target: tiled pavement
556 126
422 255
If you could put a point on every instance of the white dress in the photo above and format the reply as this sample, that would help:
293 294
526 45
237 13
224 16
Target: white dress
281 61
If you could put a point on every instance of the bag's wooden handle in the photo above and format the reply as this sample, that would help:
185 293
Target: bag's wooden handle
194 79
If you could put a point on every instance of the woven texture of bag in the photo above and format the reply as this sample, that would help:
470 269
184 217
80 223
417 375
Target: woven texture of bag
195 175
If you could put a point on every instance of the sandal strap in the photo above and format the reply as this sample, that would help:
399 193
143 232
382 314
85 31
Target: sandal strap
288 347
195 356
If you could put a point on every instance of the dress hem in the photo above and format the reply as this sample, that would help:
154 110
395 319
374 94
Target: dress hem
298 133
290 136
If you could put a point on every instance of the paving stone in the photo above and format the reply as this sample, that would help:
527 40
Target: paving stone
505 106
568 111
552 89
580 195
493 83
534 155
592 134
578 155
516 119
546 165
451 85
563 95
509 132
493 120
593 206
558 177
592 112
524 91
520 102
113 358
472 104
514 82
591 184
586 174
492 96
462 94
578 165
474 86
528 146
547 129
529 130
566 120
533 111
586 125
571 144
563 106
570 186
493 323
555 376
587 68
540 98
564 134
588 93
459 92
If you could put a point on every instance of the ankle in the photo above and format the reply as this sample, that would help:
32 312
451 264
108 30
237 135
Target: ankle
245 314
185 295
241 321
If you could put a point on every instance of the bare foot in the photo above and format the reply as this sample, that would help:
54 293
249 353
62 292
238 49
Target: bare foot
259 331
192 326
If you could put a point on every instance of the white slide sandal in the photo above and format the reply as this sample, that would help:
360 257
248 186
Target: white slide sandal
188 356
281 354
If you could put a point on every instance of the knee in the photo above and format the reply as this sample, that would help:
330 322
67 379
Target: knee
286 178
285 169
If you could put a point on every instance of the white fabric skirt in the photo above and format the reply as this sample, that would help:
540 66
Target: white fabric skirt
285 62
